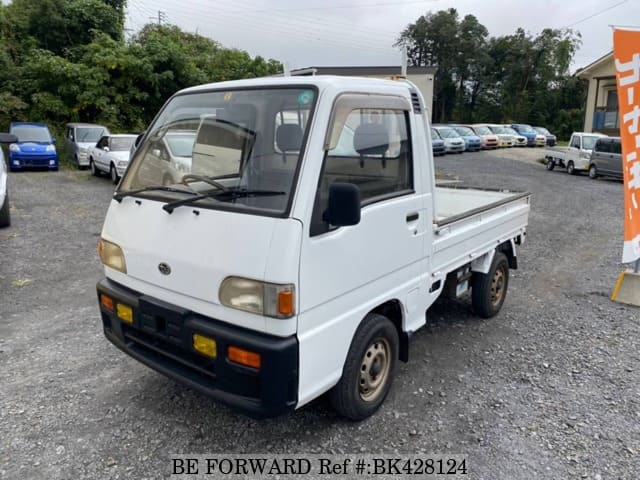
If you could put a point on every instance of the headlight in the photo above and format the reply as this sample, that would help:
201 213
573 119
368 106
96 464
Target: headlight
262 298
122 163
50 148
111 255
14 147
82 154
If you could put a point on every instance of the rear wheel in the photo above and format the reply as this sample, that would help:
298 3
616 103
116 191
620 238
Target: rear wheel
488 290
593 172
571 169
5 215
550 164
368 370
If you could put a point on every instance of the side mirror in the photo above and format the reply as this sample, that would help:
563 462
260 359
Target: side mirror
53 140
8 138
344 205
138 140
106 149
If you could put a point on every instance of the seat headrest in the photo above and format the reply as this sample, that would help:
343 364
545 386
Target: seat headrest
371 139
289 137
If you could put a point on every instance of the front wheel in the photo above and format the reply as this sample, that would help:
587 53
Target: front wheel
94 170
368 371
488 290
593 172
114 174
5 215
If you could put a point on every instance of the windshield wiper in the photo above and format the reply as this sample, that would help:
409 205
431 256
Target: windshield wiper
120 195
232 194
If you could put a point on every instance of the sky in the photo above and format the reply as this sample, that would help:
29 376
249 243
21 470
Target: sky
362 32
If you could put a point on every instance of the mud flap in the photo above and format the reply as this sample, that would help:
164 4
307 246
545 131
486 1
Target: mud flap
627 289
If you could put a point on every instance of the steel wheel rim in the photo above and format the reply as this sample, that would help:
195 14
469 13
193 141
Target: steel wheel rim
498 283
374 370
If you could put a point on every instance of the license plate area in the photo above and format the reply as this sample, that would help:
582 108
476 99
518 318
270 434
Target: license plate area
162 320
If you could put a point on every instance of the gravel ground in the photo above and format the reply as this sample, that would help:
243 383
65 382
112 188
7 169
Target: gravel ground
547 389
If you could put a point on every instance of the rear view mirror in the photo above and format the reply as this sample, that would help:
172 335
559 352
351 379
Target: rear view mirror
8 138
344 205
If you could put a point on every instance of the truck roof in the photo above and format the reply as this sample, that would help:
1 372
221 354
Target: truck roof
320 81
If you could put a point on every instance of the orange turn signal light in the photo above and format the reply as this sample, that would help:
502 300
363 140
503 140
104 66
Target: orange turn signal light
244 357
285 302
106 302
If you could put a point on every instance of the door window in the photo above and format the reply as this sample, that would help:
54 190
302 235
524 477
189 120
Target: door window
575 142
373 152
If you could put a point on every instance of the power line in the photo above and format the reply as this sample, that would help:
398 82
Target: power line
596 14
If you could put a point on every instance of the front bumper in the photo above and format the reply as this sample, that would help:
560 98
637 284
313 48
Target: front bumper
160 336
19 161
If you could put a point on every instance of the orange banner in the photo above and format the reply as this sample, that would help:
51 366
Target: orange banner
626 51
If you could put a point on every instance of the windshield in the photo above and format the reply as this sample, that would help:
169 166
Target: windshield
588 142
510 131
542 130
448 133
525 129
32 134
119 144
483 130
465 131
434 134
229 150
89 135
498 130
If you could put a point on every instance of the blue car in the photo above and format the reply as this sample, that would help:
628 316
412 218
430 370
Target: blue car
526 131
472 142
35 147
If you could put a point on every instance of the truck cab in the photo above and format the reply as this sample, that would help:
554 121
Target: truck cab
576 157
302 247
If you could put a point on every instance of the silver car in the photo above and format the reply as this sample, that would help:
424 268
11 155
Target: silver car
80 139
606 158
111 155
453 142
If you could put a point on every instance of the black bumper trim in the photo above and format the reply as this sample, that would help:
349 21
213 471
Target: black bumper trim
160 337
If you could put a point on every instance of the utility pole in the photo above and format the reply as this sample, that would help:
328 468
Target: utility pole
162 17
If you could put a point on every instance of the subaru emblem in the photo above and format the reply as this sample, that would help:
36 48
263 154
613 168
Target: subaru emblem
164 268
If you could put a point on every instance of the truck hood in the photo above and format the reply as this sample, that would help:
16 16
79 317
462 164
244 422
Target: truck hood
201 249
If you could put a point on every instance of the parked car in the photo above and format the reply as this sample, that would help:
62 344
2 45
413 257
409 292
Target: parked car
437 144
5 214
111 155
518 140
489 139
170 157
472 142
453 142
80 139
526 131
506 139
606 158
577 156
35 147
551 139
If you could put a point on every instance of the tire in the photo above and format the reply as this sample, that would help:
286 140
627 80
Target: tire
5 215
571 169
368 370
593 172
488 290
551 164
94 171
113 173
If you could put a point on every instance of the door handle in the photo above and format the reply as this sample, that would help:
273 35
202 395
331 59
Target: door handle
412 217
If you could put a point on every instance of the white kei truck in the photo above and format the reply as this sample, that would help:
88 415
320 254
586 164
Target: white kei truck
576 157
303 247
